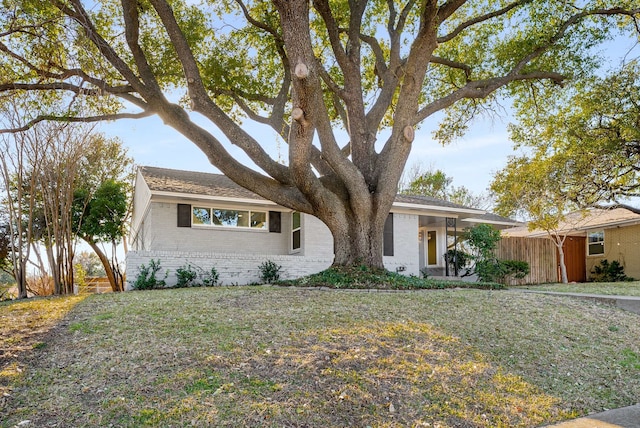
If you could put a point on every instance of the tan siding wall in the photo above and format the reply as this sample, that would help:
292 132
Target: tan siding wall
621 244
540 253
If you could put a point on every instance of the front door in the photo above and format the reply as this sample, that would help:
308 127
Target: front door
432 248
575 259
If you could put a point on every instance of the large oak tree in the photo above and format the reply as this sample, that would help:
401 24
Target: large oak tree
343 83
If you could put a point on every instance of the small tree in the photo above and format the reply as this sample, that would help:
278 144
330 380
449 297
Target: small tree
535 188
20 160
101 218
483 240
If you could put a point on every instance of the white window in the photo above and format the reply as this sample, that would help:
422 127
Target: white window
229 218
295 231
595 243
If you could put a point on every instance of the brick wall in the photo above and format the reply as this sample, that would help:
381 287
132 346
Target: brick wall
405 259
236 254
234 269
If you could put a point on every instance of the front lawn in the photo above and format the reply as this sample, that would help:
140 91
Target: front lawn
609 288
282 356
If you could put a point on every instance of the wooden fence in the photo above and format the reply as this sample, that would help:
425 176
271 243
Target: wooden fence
540 253
96 285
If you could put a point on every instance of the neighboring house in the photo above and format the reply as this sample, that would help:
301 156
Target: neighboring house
611 233
182 217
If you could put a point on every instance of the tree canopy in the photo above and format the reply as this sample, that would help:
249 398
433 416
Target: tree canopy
344 84
437 184
588 138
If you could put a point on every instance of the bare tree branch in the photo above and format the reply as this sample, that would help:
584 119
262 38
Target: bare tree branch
87 119
463 26
453 64
203 104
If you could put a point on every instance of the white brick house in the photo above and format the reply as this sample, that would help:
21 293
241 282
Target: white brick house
206 220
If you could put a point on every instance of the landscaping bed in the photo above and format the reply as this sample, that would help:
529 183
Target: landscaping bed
361 277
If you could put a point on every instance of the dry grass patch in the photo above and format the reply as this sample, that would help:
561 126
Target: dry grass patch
269 356
23 325
608 288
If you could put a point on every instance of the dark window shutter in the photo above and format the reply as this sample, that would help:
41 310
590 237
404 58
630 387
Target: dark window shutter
184 215
275 223
387 237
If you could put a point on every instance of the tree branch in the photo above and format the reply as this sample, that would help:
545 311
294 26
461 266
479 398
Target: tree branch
463 26
71 119
79 14
453 64
202 103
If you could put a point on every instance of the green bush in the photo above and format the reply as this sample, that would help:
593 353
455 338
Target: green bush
457 259
494 270
269 271
484 239
357 277
146 278
609 272
209 278
187 276
194 276
516 268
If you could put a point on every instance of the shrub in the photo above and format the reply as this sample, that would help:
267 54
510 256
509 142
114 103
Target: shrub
356 277
269 271
518 268
494 270
210 278
457 259
609 272
484 239
146 278
187 276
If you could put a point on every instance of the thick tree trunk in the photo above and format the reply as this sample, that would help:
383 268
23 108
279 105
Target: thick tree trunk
357 239
358 245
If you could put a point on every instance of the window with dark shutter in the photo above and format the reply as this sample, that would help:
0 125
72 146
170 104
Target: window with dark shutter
184 215
275 221
387 237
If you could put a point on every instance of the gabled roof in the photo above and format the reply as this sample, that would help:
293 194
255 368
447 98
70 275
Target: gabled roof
173 181
578 222
194 183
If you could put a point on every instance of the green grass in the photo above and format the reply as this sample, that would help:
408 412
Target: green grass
286 356
609 288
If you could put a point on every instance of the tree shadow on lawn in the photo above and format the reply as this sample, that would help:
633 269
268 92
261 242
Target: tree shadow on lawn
378 374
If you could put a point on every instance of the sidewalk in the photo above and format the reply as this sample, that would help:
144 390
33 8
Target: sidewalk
628 303
626 417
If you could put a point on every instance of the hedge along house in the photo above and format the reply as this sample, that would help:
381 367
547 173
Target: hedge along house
606 233
206 220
